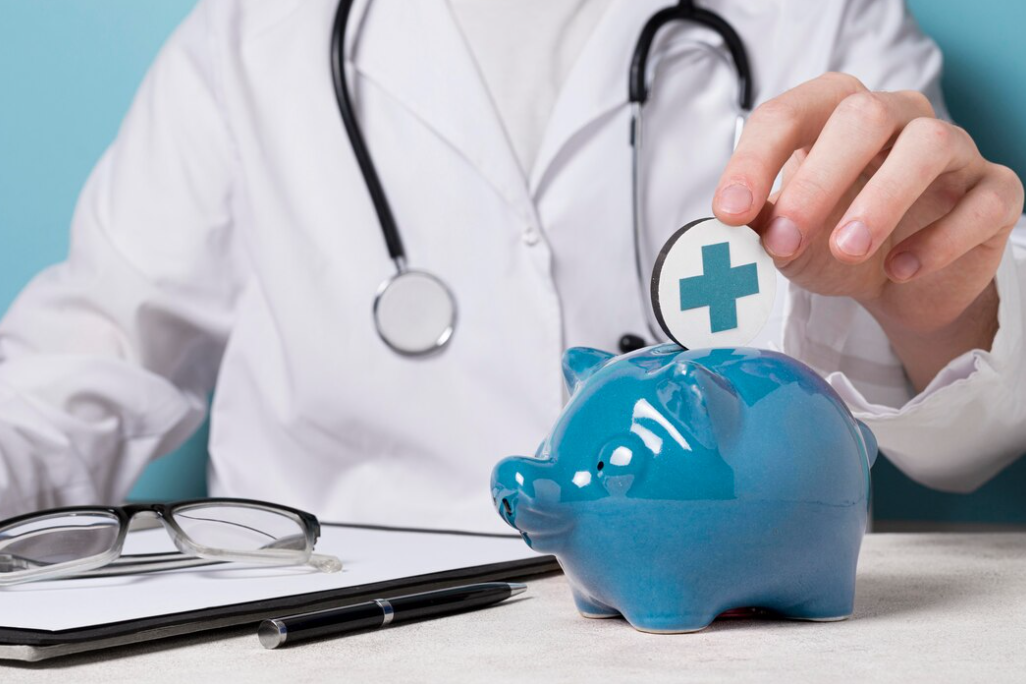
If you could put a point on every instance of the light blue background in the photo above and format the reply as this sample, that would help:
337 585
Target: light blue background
69 68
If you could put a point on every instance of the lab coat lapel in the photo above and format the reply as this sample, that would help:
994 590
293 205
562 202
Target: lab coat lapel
597 83
416 52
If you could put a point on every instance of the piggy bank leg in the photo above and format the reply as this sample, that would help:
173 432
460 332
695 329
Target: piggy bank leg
676 623
674 601
671 610
591 608
826 603
823 609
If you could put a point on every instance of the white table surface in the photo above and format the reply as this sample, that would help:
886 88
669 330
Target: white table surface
929 608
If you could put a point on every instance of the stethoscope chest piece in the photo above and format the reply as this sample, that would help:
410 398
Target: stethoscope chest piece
713 285
414 313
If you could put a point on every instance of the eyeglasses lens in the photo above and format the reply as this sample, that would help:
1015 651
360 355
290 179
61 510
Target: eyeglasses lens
238 528
53 540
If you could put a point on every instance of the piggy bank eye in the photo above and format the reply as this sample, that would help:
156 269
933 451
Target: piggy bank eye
622 463
625 454
620 456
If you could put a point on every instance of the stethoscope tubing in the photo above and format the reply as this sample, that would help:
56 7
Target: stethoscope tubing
389 227
639 90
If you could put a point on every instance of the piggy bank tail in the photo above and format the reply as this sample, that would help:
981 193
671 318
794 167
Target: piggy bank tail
870 441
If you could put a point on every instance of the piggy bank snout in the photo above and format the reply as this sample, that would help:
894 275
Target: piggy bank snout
512 477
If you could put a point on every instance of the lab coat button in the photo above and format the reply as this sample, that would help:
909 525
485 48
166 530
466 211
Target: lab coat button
530 236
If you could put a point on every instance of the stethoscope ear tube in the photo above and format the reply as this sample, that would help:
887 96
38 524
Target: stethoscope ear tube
685 10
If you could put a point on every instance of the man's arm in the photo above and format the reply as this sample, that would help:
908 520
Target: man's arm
107 359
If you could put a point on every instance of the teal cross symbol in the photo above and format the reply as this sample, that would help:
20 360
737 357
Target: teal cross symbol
719 287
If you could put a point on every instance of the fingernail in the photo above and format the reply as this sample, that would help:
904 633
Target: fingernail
735 199
782 238
904 266
854 239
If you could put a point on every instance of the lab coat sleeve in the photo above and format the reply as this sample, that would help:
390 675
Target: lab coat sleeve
970 422
107 359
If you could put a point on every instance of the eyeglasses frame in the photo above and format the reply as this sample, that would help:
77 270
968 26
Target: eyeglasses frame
164 512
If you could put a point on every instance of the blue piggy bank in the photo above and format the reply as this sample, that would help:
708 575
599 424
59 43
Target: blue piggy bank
679 485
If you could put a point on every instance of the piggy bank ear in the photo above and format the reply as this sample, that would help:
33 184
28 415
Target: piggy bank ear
705 401
579 363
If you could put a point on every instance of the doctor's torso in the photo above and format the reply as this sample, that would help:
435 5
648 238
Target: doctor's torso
311 408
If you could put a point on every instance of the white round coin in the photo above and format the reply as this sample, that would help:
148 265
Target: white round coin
415 313
713 285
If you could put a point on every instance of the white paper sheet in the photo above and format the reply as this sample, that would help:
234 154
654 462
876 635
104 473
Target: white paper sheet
368 556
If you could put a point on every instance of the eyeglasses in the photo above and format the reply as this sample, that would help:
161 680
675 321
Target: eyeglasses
87 540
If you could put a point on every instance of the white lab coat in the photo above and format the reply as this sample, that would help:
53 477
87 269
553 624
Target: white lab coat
226 243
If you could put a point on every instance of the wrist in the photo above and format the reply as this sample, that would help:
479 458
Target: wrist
926 350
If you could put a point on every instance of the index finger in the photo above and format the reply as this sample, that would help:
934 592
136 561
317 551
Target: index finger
773 132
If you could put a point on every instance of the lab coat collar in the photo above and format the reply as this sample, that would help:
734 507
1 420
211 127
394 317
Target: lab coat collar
597 82
416 53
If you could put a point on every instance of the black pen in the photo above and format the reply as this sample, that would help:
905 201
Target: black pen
382 612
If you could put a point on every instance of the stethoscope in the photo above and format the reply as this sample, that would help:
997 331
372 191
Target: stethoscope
415 311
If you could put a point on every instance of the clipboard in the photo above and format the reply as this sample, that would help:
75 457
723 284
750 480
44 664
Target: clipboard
381 562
